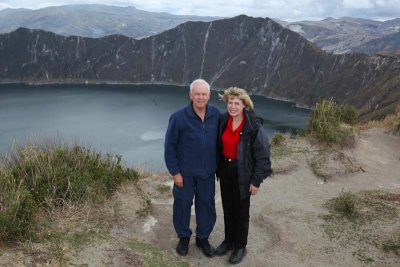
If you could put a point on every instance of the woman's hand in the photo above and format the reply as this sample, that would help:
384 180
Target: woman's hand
253 190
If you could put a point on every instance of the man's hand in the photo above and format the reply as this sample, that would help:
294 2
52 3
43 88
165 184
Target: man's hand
253 190
178 180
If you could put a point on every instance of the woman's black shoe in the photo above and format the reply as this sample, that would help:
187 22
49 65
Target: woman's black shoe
224 248
205 246
237 255
183 246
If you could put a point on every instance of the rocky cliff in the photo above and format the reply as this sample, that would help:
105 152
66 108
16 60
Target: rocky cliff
254 53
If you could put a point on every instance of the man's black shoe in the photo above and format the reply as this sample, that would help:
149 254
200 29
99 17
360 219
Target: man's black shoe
237 255
224 248
207 249
183 246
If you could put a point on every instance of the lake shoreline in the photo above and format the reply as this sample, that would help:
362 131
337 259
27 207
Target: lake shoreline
105 82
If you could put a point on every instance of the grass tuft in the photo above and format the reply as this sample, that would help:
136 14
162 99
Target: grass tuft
392 245
163 188
48 176
331 123
153 256
278 139
345 204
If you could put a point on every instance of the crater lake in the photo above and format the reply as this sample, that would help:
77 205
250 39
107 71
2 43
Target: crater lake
128 120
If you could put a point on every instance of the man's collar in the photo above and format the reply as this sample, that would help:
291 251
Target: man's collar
193 113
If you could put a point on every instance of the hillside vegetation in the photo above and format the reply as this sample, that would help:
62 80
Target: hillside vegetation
49 176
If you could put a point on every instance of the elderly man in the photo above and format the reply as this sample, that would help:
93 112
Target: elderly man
190 156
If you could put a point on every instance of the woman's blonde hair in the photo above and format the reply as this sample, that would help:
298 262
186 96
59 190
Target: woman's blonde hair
240 94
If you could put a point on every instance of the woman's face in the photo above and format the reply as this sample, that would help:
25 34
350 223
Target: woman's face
235 106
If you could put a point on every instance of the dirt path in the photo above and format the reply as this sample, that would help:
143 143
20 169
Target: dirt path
286 224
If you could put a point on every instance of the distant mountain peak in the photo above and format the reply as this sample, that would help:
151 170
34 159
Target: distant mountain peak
329 19
93 20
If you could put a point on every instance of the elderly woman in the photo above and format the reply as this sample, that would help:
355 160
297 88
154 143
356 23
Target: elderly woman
244 164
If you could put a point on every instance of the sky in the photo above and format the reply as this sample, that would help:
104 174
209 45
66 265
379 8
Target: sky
287 10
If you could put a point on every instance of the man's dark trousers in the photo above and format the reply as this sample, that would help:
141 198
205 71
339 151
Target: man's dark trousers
203 191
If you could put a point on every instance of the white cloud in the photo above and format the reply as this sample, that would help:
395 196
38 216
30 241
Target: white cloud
357 4
290 10
4 5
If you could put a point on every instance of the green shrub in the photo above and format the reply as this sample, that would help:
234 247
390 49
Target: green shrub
49 175
327 122
324 120
347 114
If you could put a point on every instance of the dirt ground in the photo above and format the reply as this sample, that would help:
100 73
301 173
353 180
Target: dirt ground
288 225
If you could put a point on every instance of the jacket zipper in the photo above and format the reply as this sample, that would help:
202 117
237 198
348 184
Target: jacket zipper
204 145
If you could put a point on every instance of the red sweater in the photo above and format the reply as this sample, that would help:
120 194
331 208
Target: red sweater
230 139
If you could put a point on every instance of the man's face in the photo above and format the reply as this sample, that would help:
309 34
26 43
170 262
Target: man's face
199 95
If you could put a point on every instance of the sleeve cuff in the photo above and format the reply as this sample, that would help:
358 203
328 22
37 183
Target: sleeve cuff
256 183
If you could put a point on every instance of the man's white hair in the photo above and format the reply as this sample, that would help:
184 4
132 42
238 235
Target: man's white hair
199 81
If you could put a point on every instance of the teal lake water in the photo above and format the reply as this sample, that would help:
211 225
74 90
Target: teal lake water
129 120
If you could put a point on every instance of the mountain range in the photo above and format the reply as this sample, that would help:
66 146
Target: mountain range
344 35
350 35
253 53
93 20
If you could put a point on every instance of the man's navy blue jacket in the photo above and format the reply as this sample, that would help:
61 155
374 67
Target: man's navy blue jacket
190 144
